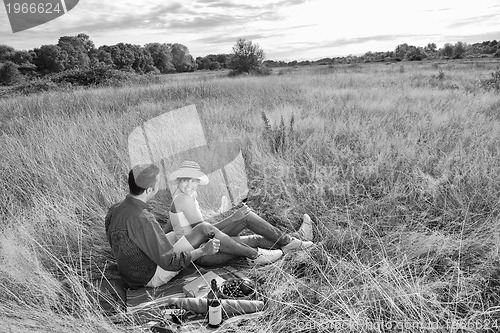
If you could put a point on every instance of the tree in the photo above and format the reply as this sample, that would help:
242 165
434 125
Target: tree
22 57
181 59
459 50
415 53
50 59
9 74
162 57
103 56
246 57
143 62
6 52
401 50
447 50
123 57
77 49
430 48
222 60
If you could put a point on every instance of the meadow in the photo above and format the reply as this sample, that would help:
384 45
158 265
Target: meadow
397 164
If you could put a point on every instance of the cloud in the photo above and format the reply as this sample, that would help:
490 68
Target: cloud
224 39
103 21
472 20
436 10
290 2
168 9
229 5
211 21
471 39
270 5
358 40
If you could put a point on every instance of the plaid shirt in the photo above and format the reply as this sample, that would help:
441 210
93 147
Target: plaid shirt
138 242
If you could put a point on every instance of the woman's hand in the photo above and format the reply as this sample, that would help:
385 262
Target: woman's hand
241 213
211 247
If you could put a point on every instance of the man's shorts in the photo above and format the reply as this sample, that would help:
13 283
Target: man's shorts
162 276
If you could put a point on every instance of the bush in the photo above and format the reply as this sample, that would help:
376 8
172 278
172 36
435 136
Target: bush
96 76
492 83
9 74
497 54
439 76
38 85
262 70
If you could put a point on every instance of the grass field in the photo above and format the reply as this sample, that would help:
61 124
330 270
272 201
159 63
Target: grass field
398 165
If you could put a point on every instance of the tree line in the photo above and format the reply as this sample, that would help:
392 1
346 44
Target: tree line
73 52
78 60
408 52
77 54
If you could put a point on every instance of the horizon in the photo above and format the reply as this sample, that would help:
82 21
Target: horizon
286 30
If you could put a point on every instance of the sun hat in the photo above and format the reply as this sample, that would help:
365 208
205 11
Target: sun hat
145 175
190 169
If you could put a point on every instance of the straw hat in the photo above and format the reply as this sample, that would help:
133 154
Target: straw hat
189 169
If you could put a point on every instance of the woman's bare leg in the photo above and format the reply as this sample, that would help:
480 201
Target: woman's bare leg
220 259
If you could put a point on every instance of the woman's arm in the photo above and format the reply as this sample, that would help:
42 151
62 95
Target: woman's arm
186 205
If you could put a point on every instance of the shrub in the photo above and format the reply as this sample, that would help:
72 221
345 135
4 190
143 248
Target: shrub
279 137
439 76
263 70
39 85
93 77
492 83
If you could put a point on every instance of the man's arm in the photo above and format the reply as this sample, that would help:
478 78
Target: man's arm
210 247
147 234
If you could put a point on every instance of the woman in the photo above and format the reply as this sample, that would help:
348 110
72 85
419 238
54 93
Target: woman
185 214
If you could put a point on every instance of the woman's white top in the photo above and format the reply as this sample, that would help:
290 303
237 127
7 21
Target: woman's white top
180 223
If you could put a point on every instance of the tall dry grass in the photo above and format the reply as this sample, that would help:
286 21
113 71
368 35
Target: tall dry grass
399 170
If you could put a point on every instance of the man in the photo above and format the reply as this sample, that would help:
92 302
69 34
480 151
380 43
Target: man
143 253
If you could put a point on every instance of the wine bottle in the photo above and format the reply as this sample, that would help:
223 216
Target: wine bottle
214 306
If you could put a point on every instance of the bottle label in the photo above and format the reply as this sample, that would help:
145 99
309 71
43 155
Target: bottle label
215 315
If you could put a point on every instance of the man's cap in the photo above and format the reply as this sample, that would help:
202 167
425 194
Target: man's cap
145 175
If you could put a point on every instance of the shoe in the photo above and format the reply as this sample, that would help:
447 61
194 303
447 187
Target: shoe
305 231
265 257
296 244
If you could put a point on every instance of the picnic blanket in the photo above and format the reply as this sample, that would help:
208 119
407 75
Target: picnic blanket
147 307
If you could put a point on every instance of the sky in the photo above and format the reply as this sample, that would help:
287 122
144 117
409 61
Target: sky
285 29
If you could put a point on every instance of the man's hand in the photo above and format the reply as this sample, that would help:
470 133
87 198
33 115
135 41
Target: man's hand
241 213
211 247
